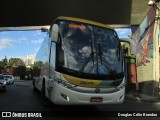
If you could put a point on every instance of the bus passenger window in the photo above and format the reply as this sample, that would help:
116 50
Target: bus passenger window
52 57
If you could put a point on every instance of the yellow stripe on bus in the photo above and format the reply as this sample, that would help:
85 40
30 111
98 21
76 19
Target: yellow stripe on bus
84 82
84 21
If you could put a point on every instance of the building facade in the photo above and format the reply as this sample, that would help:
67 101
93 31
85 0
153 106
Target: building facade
29 60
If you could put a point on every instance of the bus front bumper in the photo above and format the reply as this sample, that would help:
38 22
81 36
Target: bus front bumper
65 96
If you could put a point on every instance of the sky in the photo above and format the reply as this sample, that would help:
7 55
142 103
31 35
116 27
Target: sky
123 33
19 44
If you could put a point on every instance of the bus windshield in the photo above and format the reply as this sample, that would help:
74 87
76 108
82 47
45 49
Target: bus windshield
88 49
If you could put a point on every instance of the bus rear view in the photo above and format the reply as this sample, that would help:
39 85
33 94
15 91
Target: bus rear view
84 66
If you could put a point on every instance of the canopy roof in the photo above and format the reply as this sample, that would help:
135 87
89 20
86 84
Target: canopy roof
16 13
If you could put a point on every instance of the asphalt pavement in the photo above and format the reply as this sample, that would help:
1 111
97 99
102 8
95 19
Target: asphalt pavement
134 96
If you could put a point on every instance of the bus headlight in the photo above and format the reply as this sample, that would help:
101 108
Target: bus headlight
64 83
4 83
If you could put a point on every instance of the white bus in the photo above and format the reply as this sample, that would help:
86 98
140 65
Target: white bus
80 62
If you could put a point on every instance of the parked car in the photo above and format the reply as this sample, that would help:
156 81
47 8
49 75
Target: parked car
2 83
9 79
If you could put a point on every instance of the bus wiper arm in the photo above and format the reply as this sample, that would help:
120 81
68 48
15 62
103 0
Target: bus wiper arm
86 62
99 52
92 53
89 58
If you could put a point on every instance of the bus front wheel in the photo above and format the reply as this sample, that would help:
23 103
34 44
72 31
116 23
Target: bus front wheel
45 100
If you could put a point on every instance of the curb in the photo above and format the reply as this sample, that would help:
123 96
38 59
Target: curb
139 99
19 80
22 80
22 85
130 98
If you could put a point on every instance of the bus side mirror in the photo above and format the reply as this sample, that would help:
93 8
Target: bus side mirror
54 33
125 45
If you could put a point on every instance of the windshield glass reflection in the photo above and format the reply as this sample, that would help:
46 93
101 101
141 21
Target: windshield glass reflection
88 49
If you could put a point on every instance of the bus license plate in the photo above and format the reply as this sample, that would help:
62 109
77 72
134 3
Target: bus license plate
96 99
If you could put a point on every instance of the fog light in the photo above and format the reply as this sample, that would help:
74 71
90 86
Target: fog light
65 97
120 97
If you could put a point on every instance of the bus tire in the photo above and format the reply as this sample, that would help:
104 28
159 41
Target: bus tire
34 88
45 100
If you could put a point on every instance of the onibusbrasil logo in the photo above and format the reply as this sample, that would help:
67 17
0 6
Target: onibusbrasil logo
23 114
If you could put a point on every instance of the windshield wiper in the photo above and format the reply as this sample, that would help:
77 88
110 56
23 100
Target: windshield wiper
100 54
89 58
92 53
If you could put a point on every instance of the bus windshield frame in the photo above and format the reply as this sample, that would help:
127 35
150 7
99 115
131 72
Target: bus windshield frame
88 51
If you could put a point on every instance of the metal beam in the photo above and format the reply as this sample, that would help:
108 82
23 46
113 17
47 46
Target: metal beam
24 28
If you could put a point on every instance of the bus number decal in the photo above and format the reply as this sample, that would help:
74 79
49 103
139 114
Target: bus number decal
86 83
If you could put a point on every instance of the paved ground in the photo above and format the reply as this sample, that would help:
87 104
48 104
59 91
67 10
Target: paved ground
20 97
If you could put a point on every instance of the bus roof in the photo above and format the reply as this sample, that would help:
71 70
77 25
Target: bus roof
84 21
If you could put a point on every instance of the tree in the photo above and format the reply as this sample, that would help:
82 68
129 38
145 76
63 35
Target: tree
21 71
15 62
1 66
4 62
